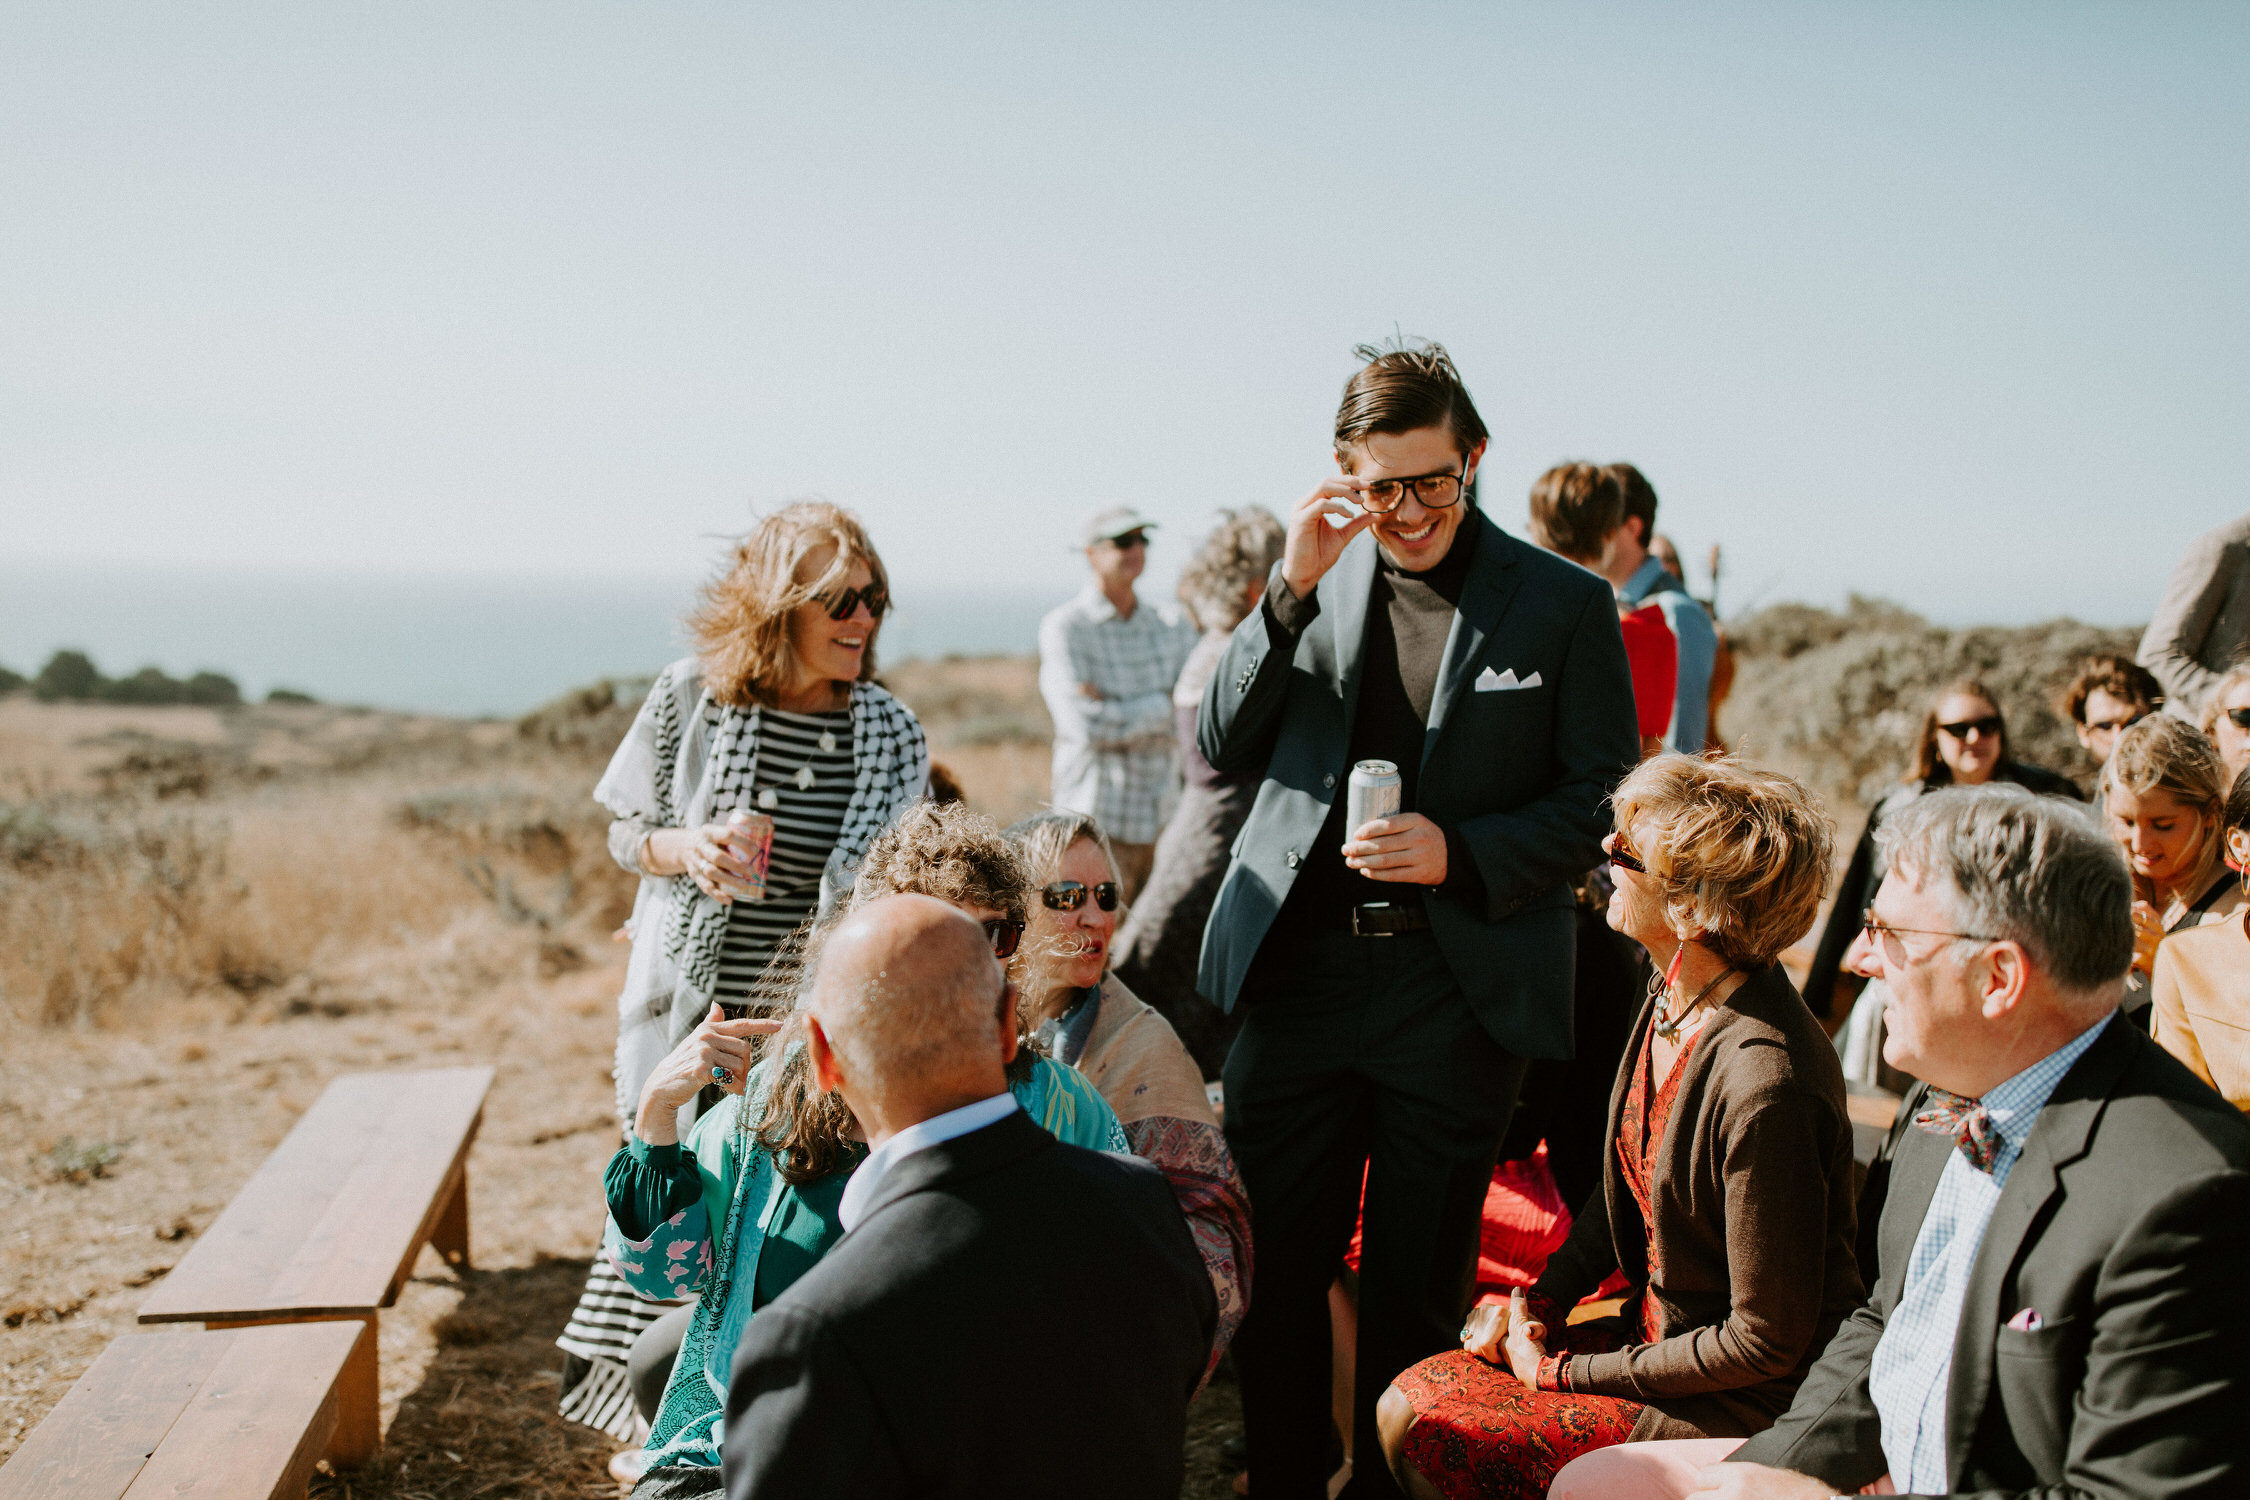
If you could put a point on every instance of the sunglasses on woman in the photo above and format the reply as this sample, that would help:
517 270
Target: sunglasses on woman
1069 895
1989 727
1004 935
840 605
2239 717
1622 855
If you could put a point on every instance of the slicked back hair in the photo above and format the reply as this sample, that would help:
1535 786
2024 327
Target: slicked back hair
2033 870
1402 390
1574 510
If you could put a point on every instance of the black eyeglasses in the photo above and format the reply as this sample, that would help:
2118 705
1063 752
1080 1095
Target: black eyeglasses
1069 895
2119 726
1988 726
840 605
2239 717
1004 935
1129 541
1435 491
1621 855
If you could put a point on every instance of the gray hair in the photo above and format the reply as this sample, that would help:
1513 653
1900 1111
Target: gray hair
2032 870
1241 550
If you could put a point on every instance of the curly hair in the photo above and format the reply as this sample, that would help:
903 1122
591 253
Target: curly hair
740 623
1741 853
1240 551
2119 676
944 850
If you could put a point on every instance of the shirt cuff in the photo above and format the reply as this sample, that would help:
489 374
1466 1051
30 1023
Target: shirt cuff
1554 1372
1284 611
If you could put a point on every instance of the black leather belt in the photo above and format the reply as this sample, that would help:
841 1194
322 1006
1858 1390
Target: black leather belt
1385 919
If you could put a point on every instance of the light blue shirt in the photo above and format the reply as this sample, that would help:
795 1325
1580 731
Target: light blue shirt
1912 1370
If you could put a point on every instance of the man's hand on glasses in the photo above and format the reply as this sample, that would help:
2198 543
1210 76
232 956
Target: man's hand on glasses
1320 528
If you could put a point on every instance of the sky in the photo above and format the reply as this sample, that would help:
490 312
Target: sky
1944 303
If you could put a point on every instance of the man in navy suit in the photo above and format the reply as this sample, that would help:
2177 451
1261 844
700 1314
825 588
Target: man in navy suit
1395 977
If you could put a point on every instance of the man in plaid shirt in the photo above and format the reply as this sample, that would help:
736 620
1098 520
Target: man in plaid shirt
1106 668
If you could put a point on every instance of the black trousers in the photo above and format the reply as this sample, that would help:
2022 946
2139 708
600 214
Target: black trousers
1355 1052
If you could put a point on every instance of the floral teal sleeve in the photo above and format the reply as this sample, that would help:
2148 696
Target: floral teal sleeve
674 1196
1061 1099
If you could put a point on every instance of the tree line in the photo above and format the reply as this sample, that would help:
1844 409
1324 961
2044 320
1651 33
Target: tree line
71 677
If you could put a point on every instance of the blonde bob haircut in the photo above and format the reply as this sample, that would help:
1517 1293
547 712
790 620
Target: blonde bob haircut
1741 854
740 623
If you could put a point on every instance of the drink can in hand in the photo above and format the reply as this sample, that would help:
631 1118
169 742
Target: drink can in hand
1374 793
750 836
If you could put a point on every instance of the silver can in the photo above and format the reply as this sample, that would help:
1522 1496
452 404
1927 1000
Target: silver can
1374 793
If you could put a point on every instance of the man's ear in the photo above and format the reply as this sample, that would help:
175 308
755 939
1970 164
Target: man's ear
2007 973
827 1071
1007 1024
1476 456
1345 458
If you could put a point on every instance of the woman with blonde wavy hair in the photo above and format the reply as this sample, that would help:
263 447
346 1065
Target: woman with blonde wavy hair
748 1201
754 777
2164 793
1728 1198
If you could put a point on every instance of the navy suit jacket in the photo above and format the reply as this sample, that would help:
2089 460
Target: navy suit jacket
1522 773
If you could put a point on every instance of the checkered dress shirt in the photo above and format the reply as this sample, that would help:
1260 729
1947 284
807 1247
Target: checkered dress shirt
1912 1370
1115 756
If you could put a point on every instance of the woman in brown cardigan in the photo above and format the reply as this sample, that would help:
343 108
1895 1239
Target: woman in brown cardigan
1728 1201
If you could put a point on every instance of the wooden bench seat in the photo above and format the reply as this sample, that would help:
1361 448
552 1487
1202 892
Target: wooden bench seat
242 1413
330 1226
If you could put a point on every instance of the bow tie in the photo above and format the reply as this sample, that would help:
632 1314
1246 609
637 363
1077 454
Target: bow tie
1966 1120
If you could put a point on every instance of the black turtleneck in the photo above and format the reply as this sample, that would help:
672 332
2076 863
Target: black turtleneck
1409 620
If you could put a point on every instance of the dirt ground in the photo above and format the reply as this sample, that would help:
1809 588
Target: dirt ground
132 1113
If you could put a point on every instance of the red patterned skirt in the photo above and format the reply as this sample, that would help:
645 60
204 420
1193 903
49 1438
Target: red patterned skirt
1481 1434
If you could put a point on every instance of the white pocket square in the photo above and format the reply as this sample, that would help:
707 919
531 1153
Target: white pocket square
1489 681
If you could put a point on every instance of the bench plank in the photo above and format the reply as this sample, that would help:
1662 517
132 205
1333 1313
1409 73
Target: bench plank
102 1431
245 1412
262 1419
329 1226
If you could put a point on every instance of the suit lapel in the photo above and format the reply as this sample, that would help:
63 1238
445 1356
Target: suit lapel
1349 585
2058 1137
1485 593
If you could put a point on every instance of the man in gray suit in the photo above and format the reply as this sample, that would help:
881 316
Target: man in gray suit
1394 977
2202 624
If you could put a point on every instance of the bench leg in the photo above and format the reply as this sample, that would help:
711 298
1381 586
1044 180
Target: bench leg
450 1236
359 1403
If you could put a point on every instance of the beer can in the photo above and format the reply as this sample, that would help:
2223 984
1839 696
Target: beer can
1374 793
750 836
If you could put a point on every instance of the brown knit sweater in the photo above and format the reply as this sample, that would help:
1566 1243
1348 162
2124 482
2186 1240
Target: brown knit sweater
1754 1207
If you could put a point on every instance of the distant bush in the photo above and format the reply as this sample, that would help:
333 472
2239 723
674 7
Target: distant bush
289 695
1837 698
71 676
10 681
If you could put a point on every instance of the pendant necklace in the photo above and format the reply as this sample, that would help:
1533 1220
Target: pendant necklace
1669 1027
770 798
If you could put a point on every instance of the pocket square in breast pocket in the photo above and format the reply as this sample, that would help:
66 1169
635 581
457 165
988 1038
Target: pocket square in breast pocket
1489 681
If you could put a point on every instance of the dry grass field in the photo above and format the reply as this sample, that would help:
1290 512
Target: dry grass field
210 913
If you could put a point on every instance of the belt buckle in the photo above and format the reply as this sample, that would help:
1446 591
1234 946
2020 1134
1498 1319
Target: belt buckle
1371 909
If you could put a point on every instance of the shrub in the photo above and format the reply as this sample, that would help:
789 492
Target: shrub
67 675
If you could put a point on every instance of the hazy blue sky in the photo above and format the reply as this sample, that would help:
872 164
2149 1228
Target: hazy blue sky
1944 302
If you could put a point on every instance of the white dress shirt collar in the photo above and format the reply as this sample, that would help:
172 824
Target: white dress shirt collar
937 1129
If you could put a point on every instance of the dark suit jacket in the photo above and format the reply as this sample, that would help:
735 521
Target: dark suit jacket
1013 1316
1521 773
2125 1225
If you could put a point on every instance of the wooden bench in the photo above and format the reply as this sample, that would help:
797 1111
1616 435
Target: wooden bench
331 1224
244 1413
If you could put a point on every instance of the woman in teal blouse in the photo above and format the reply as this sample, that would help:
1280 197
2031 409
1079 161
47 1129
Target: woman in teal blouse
748 1203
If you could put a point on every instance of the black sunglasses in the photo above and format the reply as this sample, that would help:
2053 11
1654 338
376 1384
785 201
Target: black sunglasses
1069 895
1989 727
1129 541
1621 855
2239 717
840 606
1004 935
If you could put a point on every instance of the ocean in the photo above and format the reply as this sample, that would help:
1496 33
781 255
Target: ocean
458 644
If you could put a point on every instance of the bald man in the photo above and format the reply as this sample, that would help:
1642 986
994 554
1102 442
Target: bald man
1005 1315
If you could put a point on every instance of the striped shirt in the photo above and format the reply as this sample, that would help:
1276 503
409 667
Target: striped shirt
806 821
1114 756
1911 1373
